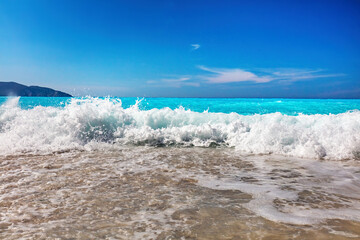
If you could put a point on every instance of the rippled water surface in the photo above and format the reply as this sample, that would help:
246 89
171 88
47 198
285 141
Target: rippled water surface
139 192
244 106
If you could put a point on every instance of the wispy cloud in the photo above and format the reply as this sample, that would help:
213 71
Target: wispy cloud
195 46
176 82
180 79
223 75
294 75
287 75
236 75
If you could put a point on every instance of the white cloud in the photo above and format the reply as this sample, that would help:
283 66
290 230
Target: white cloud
181 79
195 46
224 75
234 75
294 75
231 75
176 82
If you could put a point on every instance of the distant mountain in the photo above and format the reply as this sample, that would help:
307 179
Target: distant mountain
16 89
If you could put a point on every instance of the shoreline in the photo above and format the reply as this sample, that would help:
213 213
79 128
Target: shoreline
160 193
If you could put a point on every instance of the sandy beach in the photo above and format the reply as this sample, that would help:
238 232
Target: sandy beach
177 193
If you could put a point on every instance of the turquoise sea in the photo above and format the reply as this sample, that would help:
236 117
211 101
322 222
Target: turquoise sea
245 106
315 128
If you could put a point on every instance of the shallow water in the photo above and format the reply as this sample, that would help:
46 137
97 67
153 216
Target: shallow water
139 192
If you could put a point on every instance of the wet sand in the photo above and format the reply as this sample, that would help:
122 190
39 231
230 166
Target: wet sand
177 193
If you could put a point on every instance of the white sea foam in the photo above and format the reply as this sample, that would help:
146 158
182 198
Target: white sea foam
332 179
83 123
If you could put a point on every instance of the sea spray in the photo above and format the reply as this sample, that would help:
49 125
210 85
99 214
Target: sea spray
84 123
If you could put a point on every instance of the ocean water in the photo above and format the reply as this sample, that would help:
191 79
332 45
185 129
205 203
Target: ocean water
300 128
179 168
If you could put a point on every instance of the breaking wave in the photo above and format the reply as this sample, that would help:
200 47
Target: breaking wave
93 123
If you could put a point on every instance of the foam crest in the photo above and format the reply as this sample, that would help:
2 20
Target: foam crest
83 123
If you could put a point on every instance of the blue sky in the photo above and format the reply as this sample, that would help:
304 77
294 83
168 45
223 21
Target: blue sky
184 48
